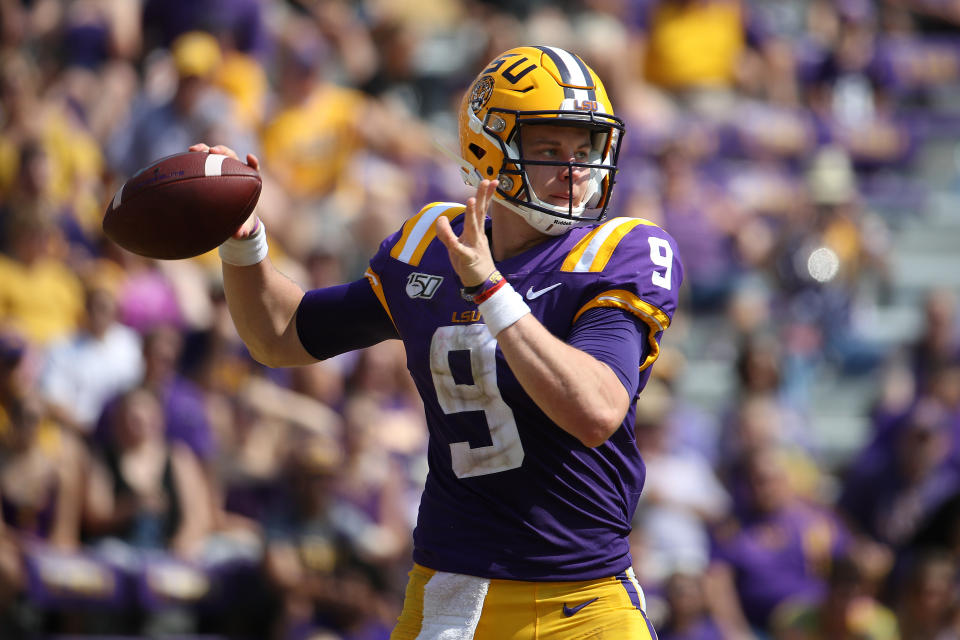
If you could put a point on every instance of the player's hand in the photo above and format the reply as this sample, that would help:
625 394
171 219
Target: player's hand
250 224
470 252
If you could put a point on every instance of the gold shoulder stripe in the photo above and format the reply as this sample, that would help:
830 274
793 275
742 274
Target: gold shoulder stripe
377 287
594 250
655 318
418 231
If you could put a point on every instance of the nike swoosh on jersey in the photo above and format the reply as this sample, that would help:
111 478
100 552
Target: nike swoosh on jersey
531 294
569 611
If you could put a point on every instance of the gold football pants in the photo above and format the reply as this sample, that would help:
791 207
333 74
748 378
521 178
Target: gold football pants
459 607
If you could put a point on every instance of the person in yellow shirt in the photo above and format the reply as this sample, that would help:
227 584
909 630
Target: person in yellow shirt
319 127
40 297
311 137
701 51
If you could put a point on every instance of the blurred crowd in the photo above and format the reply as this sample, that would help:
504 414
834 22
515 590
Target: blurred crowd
155 480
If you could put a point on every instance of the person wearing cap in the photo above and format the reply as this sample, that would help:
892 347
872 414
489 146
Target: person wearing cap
196 109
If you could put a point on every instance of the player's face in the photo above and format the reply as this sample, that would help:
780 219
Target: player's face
557 143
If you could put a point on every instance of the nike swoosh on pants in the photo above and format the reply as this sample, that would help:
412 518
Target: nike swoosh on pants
569 611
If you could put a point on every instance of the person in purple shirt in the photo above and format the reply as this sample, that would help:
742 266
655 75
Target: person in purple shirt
779 551
905 478
528 335
184 403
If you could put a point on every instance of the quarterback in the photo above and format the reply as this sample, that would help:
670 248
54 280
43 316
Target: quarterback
530 323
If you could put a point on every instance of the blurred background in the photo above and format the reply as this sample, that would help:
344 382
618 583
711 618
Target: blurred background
802 426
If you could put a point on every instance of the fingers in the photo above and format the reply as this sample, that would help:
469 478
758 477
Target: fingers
488 189
247 228
445 233
477 207
471 224
224 151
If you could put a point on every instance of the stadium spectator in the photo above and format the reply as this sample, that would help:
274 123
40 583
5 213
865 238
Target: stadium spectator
48 158
778 550
701 51
890 491
160 126
33 192
144 489
688 614
927 605
373 484
763 374
40 481
682 497
147 297
322 581
319 128
149 515
42 496
758 425
829 245
938 344
845 611
313 131
40 296
705 221
87 368
848 89
93 31
183 403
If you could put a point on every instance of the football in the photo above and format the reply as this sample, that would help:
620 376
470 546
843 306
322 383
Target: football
182 205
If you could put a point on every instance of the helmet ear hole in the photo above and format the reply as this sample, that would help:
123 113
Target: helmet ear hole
477 150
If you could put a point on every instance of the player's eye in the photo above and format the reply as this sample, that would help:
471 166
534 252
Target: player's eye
545 152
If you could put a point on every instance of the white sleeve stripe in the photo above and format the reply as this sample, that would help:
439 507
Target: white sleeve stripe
213 165
422 226
602 234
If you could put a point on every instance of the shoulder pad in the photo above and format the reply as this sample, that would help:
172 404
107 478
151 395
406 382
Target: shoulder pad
418 232
594 250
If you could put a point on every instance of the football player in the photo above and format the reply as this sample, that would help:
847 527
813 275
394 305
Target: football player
529 333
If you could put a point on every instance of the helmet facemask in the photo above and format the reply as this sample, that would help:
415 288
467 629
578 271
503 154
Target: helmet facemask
515 187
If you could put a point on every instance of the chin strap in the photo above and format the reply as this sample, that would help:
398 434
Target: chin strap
470 174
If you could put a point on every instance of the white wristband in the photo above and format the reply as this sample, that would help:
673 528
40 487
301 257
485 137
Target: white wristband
250 250
502 309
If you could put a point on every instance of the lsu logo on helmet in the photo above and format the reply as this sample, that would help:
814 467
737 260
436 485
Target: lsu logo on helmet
482 90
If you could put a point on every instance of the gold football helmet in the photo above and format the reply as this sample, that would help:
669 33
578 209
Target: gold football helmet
538 85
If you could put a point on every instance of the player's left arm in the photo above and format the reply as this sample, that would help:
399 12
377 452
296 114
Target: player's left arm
581 394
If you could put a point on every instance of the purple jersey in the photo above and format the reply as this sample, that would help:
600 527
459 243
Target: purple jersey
509 494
